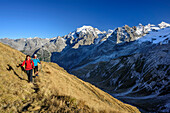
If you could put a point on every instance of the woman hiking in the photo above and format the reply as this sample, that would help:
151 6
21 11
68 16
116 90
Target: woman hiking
36 61
29 65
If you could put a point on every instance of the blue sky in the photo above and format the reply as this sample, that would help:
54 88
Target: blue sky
51 18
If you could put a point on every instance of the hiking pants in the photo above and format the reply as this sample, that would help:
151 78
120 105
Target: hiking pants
29 74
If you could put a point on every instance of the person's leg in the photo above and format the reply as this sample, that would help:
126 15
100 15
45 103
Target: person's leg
30 75
27 71
34 73
36 70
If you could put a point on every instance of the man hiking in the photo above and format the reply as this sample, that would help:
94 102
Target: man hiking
36 61
29 65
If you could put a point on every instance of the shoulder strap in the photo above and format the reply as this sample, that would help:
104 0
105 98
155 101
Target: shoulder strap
31 61
25 63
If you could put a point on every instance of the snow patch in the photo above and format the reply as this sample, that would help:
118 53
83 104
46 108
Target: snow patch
162 36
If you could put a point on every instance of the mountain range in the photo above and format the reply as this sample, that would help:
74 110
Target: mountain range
130 63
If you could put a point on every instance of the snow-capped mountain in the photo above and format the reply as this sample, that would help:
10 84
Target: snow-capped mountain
85 35
163 25
131 63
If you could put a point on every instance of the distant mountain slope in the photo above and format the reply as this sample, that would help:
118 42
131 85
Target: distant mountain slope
54 91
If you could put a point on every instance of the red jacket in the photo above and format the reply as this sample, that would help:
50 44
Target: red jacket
28 64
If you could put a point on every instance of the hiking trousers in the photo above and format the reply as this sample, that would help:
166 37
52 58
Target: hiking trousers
29 74
35 69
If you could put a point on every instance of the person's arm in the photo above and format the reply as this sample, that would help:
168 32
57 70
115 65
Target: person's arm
33 64
39 61
23 63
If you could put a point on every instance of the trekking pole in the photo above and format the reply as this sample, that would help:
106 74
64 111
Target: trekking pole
41 67
33 77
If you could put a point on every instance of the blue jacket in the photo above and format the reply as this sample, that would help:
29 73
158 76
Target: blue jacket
36 61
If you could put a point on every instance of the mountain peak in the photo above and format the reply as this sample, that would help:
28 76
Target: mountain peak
163 25
84 28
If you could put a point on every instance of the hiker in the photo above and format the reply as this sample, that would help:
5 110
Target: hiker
36 61
29 65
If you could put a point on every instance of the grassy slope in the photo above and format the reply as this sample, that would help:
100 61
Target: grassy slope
55 90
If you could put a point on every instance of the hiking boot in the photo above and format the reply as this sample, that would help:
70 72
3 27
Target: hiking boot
30 82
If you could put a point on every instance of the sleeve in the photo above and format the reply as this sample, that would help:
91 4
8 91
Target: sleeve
39 61
23 63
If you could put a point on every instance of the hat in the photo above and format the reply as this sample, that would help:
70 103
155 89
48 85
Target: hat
35 54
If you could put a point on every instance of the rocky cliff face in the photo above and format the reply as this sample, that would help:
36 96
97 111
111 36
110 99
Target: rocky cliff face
42 47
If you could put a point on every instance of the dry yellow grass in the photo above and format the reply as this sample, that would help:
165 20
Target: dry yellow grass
55 90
